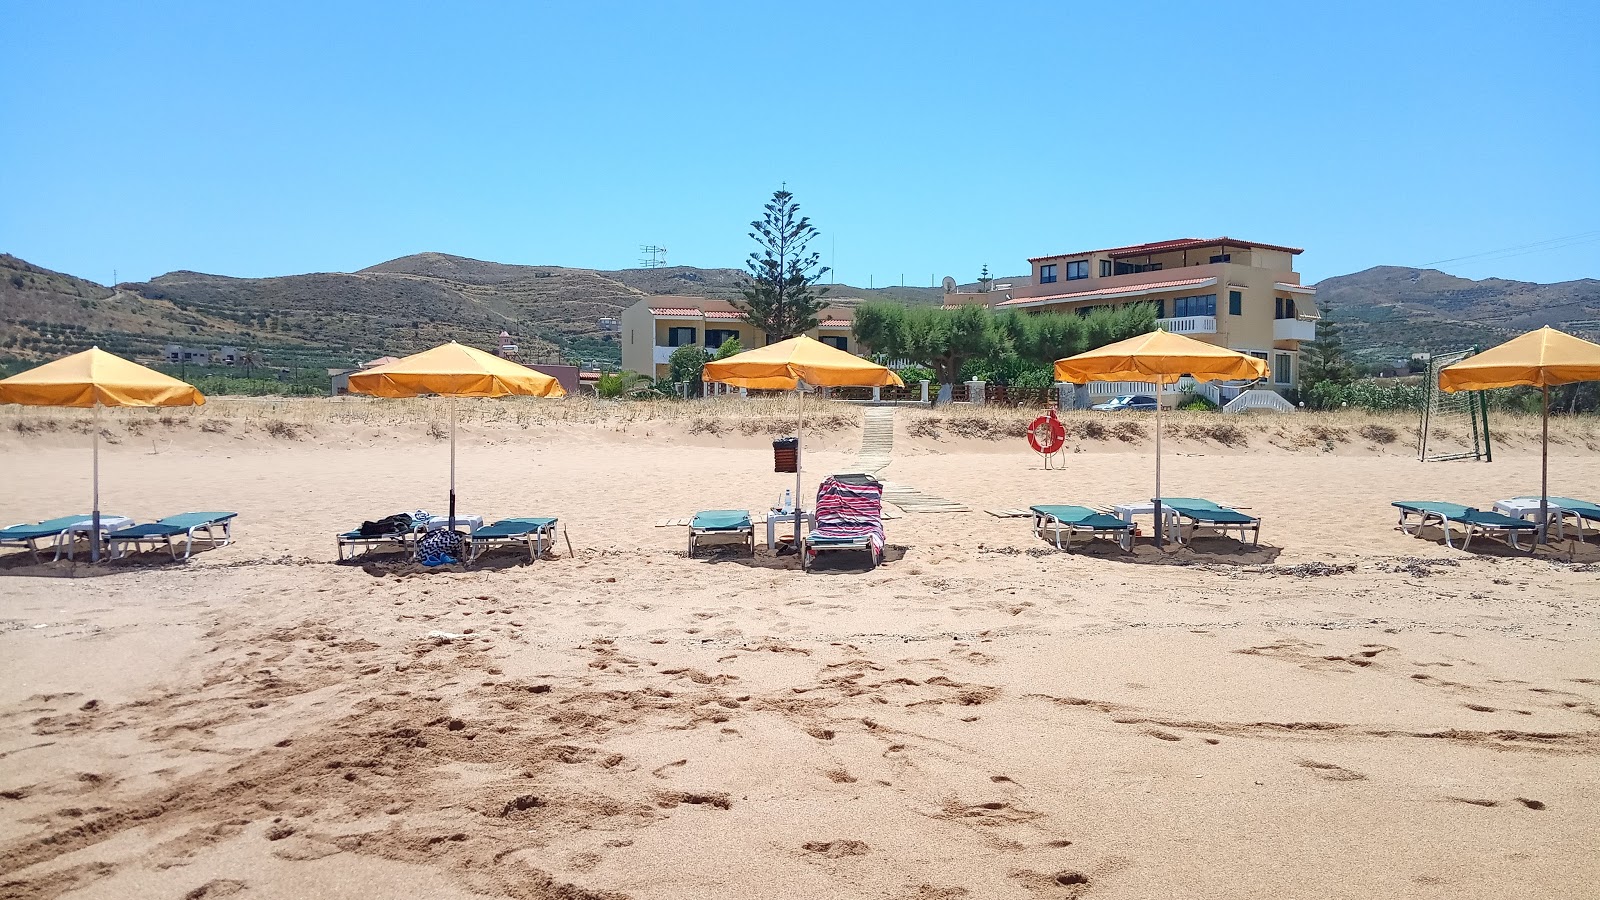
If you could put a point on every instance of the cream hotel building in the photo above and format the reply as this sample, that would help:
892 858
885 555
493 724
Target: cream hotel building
1237 294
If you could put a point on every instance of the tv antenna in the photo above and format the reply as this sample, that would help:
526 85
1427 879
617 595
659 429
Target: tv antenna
651 256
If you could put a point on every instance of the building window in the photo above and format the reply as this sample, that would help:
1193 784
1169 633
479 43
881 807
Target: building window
836 341
1198 305
1135 268
1222 258
1282 368
680 337
1284 308
1077 270
1105 268
1235 303
716 336
1047 274
1085 310
1161 309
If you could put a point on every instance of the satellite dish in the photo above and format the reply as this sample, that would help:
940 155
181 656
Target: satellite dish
949 285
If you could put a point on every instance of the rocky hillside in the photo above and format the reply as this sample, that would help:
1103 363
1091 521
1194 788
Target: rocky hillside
392 308
1392 311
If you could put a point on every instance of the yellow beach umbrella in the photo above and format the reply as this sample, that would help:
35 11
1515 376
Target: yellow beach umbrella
1163 358
1543 359
95 378
452 370
792 365
782 365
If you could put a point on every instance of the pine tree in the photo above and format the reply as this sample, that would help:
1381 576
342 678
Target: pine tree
1325 370
780 296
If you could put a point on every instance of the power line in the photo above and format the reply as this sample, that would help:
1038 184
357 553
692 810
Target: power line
1558 243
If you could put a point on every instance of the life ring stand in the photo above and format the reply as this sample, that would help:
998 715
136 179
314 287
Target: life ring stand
1046 435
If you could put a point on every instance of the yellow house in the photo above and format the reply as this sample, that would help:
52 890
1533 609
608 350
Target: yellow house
658 325
1237 294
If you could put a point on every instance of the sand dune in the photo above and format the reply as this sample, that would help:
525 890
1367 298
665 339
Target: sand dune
1342 712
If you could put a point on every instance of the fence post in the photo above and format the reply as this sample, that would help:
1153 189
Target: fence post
877 394
1064 395
975 392
924 392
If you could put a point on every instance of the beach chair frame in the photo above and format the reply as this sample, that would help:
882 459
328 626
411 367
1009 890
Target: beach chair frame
535 537
402 539
748 529
814 543
1587 514
32 539
62 540
158 534
1469 518
1045 521
1191 518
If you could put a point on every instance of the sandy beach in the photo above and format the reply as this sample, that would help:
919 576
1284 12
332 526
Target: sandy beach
1343 711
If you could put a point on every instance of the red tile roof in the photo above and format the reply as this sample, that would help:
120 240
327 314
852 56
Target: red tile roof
1168 246
834 323
1112 292
723 314
675 311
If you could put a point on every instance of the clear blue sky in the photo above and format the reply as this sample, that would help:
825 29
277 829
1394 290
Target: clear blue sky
922 138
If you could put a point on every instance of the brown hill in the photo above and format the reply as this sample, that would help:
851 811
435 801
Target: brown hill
332 318
1393 311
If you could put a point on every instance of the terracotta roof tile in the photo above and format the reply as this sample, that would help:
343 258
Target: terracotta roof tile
834 323
1111 292
1167 246
675 311
723 314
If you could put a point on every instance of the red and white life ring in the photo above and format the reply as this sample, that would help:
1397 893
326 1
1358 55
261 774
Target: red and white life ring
1046 434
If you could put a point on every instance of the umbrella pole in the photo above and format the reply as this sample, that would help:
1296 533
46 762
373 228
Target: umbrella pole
1158 516
1544 473
799 465
452 464
94 534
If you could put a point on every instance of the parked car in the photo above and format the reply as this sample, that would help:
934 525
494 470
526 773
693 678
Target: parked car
1135 401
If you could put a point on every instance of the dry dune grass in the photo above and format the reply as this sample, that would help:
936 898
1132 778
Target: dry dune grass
296 419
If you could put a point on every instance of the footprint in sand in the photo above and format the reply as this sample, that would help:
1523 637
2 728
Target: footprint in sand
1331 772
219 887
1067 883
836 849
1531 804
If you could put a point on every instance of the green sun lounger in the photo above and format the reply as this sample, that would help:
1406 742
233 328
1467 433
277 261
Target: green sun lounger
1472 521
1195 512
166 531
722 523
58 531
534 533
1587 514
405 538
1073 520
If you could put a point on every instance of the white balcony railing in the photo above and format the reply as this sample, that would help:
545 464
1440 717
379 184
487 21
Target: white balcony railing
1294 330
664 355
1190 325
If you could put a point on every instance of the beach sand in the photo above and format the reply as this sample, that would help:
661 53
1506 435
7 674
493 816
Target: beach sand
1344 711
